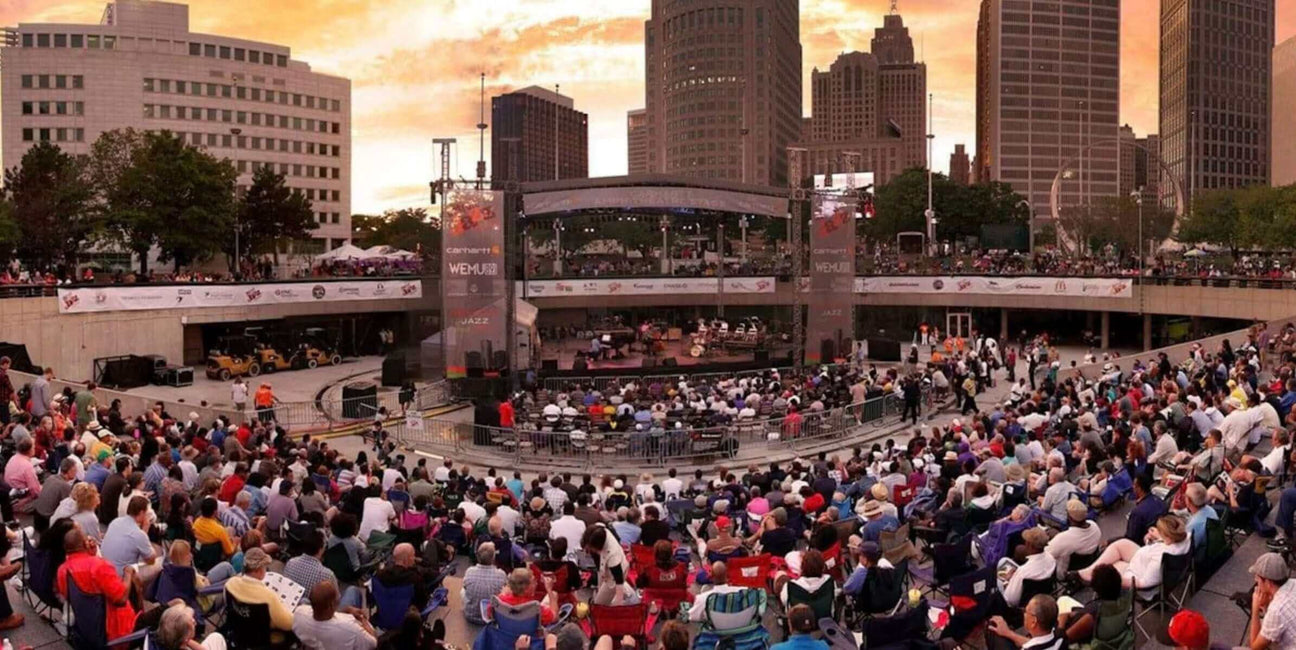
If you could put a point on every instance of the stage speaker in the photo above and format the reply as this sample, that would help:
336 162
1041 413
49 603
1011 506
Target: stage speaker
499 360
18 359
649 362
359 400
475 364
548 365
669 362
884 350
393 370
762 356
181 376
827 350
123 372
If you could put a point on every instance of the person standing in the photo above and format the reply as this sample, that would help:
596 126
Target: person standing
85 405
239 394
40 394
265 401
6 390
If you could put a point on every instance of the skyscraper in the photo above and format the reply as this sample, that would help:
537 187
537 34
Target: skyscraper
1284 127
141 67
524 137
959 165
723 88
637 141
902 89
1216 71
1128 157
1048 91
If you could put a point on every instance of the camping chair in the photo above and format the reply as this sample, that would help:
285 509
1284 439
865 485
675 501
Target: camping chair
979 519
38 579
751 572
948 560
1014 494
87 629
338 561
247 625
391 603
175 581
400 500
641 557
897 630
834 564
901 495
971 597
896 546
207 556
1214 553
619 621
882 593
823 601
836 636
1114 624
560 579
505 623
294 532
1080 561
734 619
1173 592
1033 588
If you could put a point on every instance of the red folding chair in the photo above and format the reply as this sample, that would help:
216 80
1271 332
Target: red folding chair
560 579
641 557
752 572
901 495
619 621
834 563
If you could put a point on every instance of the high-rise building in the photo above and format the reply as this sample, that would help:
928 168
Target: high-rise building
723 88
902 89
1128 157
1216 71
960 168
1048 91
537 135
140 67
637 141
844 99
1283 141
1147 169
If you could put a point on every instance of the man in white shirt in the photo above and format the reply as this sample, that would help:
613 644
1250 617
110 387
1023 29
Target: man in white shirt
671 487
442 473
1058 493
320 626
719 585
509 518
472 510
568 527
378 514
1081 537
1039 566
1166 446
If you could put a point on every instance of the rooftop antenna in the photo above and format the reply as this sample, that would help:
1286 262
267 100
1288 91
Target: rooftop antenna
481 129
894 10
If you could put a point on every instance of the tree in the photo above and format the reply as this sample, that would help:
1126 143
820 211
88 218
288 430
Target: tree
271 214
155 190
9 232
407 229
960 210
1115 221
51 205
1213 218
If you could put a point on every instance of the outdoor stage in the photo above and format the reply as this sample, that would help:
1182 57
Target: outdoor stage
634 358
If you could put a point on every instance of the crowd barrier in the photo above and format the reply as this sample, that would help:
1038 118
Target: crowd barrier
529 442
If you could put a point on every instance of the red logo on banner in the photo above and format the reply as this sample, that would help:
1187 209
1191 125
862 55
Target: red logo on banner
840 217
70 301
253 295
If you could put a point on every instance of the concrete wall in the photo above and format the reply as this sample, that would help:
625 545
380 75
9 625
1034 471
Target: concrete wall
71 342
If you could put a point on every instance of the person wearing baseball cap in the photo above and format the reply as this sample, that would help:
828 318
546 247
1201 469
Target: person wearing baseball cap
1273 604
1039 566
1081 537
1189 630
250 588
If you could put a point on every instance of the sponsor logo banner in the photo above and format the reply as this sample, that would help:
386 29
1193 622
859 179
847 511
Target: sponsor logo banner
831 319
978 285
642 287
191 296
474 289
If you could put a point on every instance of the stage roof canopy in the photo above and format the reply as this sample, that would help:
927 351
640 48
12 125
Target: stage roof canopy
652 192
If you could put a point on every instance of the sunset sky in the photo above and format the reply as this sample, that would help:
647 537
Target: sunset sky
414 65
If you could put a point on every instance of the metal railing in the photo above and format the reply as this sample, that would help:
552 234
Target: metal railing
603 383
572 441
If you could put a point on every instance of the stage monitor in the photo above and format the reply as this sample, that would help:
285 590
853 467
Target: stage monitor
883 350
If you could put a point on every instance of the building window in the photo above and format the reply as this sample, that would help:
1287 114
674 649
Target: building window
27 81
78 40
164 85
195 49
148 85
26 108
29 40
60 40
209 51
240 54
225 52
227 91
80 135
336 217
109 42
78 81
42 40
28 135
281 61
267 58
44 135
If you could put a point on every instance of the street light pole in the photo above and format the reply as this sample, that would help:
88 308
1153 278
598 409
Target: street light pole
1030 224
236 132
742 224
664 223
930 214
1138 198
557 228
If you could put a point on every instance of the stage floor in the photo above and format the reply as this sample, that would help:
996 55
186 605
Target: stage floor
565 351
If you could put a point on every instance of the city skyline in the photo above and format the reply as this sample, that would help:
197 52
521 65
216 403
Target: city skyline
407 89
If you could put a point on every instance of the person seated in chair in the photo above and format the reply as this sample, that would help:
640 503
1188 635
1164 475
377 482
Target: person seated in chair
1140 566
176 631
404 569
719 573
1081 537
1038 566
814 573
865 583
666 574
801 625
520 590
1041 617
1078 625
323 625
250 588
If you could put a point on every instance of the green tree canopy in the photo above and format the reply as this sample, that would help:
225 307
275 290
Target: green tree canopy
271 214
960 210
408 229
156 190
51 205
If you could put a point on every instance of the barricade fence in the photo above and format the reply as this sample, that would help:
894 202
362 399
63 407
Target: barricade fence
603 383
572 440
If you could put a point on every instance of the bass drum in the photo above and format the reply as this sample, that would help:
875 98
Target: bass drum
697 350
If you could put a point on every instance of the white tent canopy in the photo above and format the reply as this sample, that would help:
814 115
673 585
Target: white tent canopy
344 252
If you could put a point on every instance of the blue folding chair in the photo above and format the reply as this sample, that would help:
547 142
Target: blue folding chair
391 603
88 628
399 499
176 581
505 623
38 576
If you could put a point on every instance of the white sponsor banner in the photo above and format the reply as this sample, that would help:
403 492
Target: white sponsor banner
990 285
643 287
190 296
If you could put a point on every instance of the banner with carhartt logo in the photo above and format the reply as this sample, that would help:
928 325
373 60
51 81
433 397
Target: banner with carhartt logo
973 285
831 322
83 300
474 287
